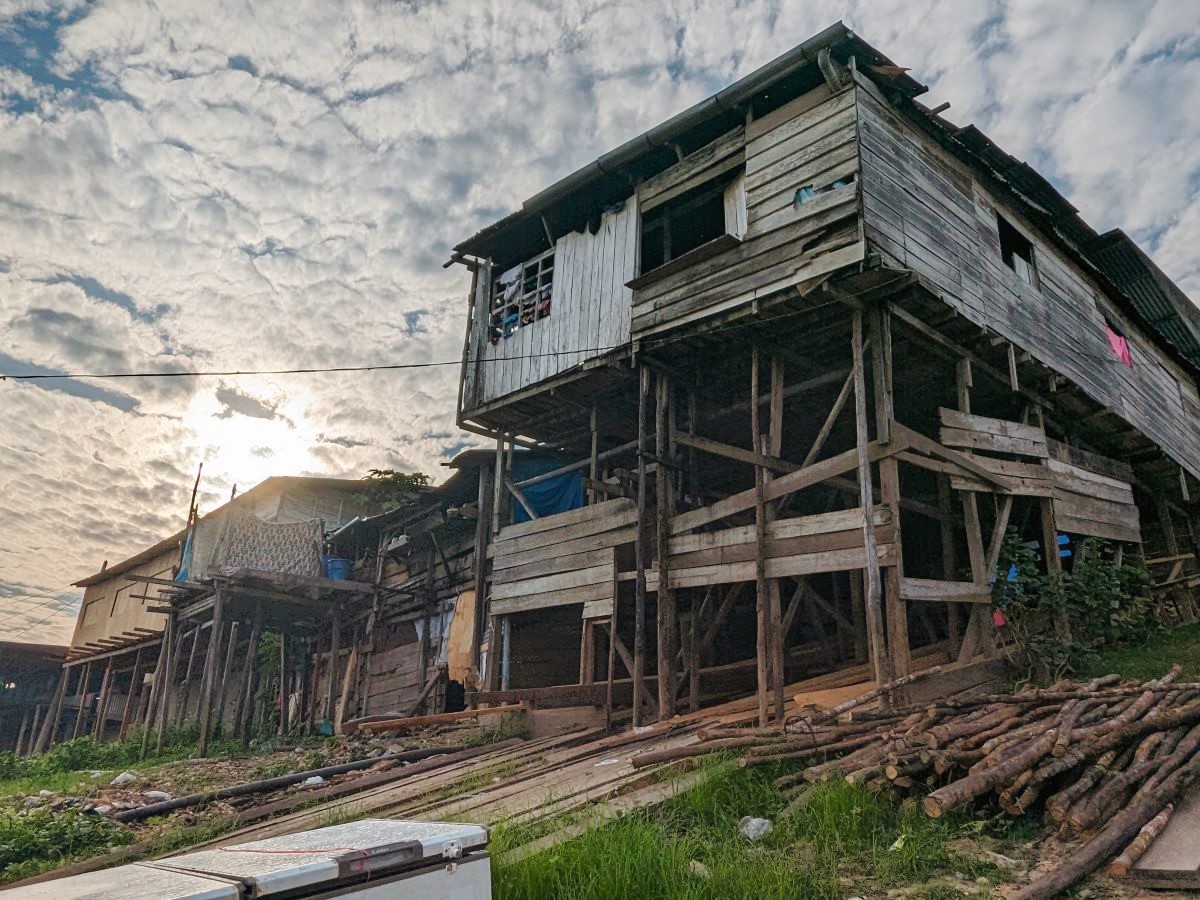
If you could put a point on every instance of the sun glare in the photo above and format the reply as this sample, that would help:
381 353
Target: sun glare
245 449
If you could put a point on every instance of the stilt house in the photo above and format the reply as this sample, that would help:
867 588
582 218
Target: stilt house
811 350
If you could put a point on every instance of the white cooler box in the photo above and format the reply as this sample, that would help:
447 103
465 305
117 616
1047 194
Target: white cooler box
371 859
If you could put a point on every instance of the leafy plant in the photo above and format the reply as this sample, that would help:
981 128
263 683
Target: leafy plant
391 489
1058 621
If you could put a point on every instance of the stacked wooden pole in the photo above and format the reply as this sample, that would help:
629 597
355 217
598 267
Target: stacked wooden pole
1106 760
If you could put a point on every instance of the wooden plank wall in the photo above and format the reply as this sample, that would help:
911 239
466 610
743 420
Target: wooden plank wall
809 141
924 211
1088 497
560 560
800 545
589 313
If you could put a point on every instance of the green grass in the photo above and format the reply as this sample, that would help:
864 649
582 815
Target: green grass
848 840
1152 658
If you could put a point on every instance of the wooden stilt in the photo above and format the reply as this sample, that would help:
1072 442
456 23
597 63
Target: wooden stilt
166 690
889 493
33 729
335 651
954 625
285 683
245 714
611 634
858 615
664 491
226 673
980 634
482 536
776 632
45 736
762 599
1062 624
81 708
641 553
186 694
22 731
587 652
693 655
102 702
880 661
132 696
244 685
208 679
493 663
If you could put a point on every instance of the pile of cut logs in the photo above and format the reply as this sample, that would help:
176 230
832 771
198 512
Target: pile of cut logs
1106 759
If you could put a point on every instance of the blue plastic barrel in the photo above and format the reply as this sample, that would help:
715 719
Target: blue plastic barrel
338 568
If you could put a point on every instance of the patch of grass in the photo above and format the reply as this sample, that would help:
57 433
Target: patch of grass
40 839
1152 658
847 840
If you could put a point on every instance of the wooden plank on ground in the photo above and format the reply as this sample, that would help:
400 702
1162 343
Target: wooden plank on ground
1173 860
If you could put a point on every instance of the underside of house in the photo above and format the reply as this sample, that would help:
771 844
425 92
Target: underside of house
811 352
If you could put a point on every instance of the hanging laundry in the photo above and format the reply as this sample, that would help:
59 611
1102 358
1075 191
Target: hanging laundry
1119 345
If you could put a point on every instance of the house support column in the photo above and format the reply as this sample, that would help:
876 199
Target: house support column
50 724
641 553
665 508
208 679
877 645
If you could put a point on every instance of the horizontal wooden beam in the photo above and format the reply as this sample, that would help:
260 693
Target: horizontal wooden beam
786 484
945 591
738 454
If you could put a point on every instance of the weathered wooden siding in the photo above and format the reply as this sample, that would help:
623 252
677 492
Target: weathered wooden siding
924 211
110 608
810 141
589 313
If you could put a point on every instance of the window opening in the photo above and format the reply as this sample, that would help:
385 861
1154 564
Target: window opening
1118 343
811 192
1016 251
682 224
520 296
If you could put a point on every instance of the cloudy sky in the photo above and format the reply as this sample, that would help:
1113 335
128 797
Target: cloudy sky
219 185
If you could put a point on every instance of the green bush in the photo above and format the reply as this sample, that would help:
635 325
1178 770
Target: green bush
1059 622
39 839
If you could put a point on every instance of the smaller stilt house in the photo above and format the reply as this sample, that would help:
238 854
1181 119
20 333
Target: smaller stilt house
28 675
170 637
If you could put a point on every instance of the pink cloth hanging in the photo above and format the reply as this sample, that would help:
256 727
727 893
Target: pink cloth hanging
1119 346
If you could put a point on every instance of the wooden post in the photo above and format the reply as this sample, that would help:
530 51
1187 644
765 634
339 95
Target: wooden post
693 655
244 688
665 509
285 683
493 663
1062 623
102 702
640 553
33 729
132 696
949 560
155 692
50 724
19 748
880 663
482 535
980 631
426 637
335 652
208 679
762 599
80 710
612 647
776 631
594 457
167 688
313 681
227 671
186 694
889 493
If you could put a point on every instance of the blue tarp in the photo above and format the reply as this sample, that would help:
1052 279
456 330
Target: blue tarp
556 495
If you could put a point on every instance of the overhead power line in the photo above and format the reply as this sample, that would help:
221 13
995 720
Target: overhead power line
307 371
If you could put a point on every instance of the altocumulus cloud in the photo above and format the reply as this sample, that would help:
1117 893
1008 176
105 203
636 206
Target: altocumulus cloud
266 185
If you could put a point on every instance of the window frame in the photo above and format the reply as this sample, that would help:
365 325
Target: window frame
530 304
